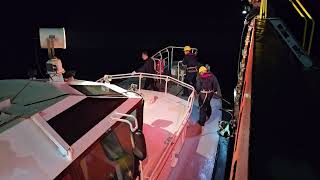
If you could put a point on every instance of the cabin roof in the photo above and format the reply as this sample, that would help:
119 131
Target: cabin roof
27 152
26 98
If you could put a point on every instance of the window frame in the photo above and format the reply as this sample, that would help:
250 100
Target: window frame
86 87
74 169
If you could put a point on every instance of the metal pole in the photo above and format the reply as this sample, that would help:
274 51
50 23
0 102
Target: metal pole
311 37
178 73
140 82
261 8
305 24
313 24
265 9
166 87
171 59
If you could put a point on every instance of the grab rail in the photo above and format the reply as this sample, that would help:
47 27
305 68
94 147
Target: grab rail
133 129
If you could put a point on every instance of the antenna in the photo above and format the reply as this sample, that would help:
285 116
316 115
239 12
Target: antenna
52 38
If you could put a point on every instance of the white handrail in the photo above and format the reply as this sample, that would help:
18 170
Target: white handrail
166 50
193 50
144 75
133 129
155 76
63 146
190 100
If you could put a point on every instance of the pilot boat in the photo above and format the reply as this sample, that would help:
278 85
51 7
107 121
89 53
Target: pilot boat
111 128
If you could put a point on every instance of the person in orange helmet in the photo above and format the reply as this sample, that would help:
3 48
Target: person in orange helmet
191 61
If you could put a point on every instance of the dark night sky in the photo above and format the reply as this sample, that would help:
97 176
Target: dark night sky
101 35
107 37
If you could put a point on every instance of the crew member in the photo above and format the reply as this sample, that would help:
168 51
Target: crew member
207 87
148 67
69 76
191 61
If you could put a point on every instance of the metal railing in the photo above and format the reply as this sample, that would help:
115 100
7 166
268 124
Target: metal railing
180 73
289 39
304 14
299 20
180 132
162 55
263 9
167 54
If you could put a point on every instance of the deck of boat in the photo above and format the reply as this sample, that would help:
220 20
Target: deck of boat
163 114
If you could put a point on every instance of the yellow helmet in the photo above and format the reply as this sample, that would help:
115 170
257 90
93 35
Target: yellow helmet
202 69
187 48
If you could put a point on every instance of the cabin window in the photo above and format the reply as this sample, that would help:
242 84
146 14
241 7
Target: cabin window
86 113
95 165
67 177
96 90
111 158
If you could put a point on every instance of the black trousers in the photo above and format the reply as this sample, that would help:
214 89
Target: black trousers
205 107
190 79
150 82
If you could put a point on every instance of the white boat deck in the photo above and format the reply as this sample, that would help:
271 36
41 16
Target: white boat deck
163 114
164 111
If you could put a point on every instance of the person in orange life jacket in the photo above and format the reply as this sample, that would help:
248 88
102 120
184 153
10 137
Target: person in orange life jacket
191 61
148 67
207 85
